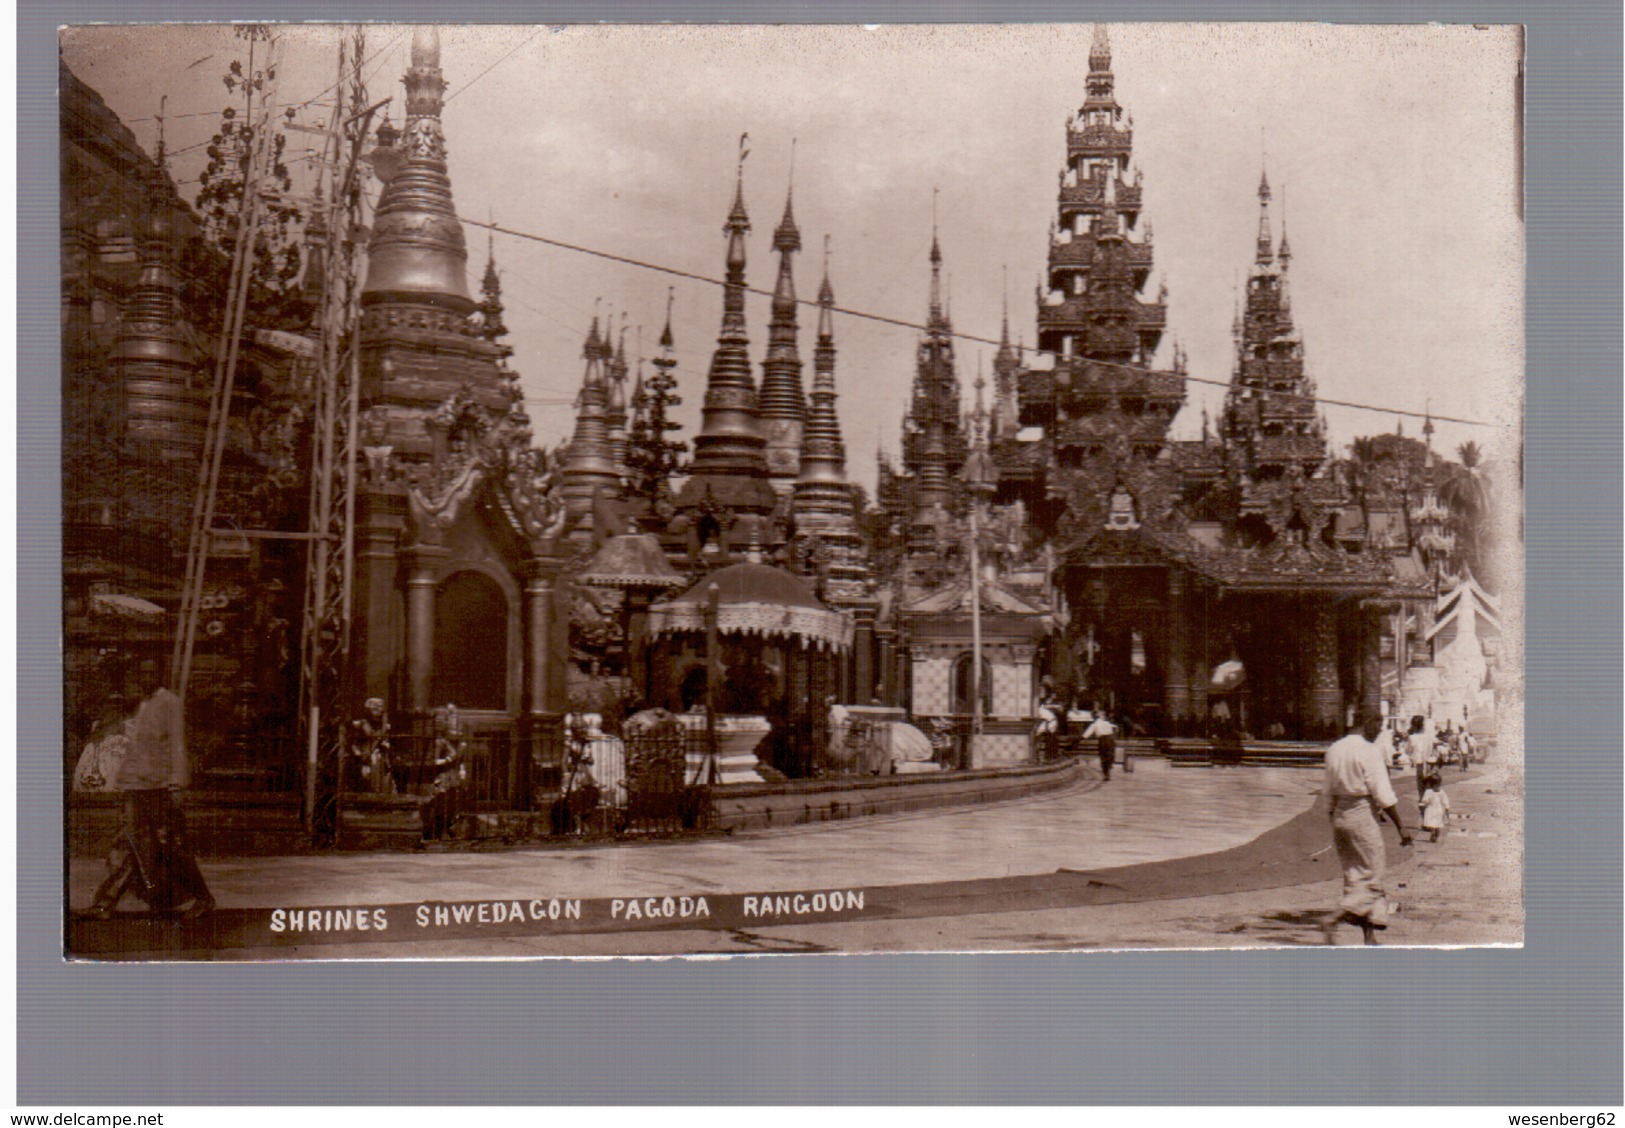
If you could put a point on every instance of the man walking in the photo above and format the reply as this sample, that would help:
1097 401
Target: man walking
1357 791
1105 734
152 849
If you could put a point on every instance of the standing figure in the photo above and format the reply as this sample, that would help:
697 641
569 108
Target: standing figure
1435 808
1419 746
451 772
369 747
1358 791
837 751
1105 735
104 752
152 852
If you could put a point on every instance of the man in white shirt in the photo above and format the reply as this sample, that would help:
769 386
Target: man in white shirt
1105 735
1357 790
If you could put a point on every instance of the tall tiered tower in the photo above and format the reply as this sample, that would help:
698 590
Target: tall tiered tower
420 346
1270 422
1102 402
589 460
1006 383
165 395
784 407
934 443
729 472
823 508
616 371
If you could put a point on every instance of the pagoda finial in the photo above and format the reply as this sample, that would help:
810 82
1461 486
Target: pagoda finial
159 157
935 319
1004 319
426 46
787 236
1285 251
665 334
417 252
1100 50
1266 253
737 215
728 451
592 347
826 300
492 283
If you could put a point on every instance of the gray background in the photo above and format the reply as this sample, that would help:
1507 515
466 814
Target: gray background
1541 1025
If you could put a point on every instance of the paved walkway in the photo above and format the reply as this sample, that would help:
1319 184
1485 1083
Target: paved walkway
1154 814
1165 857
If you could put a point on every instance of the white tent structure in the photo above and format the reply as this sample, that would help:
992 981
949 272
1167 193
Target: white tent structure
1465 639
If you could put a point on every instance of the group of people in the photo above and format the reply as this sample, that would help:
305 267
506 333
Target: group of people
1055 720
1360 793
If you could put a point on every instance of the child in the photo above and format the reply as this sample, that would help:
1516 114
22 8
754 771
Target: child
1435 807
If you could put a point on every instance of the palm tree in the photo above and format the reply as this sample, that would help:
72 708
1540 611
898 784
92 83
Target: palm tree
1466 490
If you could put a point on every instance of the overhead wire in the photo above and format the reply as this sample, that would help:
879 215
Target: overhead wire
903 323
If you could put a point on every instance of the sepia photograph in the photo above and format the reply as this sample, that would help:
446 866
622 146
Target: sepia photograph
674 490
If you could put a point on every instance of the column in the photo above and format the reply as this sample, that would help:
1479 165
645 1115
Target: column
1325 695
1176 689
800 713
1371 661
539 653
375 639
886 687
421 563
862 687
542 722
1198 667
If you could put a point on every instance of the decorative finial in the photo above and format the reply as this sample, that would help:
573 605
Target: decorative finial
936 251
159 158
426 46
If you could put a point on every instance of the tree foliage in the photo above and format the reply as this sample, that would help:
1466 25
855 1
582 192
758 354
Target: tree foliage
276 259
653 457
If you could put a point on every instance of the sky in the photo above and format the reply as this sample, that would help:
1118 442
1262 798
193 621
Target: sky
1393 152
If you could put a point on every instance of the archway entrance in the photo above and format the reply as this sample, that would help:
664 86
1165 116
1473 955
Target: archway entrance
470 643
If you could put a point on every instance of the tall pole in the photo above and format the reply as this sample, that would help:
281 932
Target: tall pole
713 674
237 289
975 620
329 594
979 477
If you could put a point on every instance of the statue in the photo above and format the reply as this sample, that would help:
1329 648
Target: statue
369 747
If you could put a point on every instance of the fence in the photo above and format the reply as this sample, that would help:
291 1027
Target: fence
651 781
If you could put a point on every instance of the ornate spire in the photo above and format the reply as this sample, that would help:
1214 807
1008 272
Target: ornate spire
589 464
822 487
616 400
1266 253
418 253
979 473
729 464
164 401
1006 362
491 292
653 457
935 319
1277 433
783 404
1100 50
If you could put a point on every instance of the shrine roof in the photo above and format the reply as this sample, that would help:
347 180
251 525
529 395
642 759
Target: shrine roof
955 597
